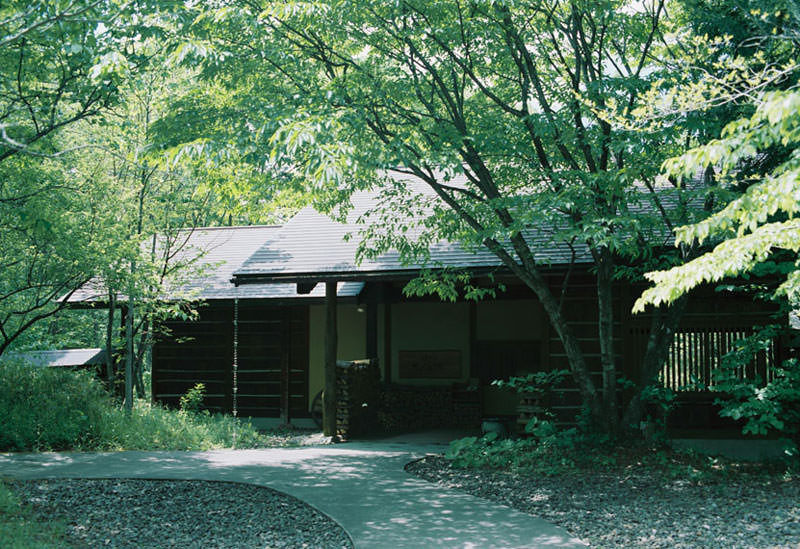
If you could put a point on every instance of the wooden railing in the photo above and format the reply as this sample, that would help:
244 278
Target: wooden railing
696 353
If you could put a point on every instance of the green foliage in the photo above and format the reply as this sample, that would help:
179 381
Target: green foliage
61 61
48 409
553 453
18 528
565 452
152 427
53 236
51 409
658 401
539 385
192 401
450 284
757 152
535 383
63 65
67 329
766 406
757 233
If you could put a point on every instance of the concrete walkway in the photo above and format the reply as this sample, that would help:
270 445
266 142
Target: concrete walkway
360 485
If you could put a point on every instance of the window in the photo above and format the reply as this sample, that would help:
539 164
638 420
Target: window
697 352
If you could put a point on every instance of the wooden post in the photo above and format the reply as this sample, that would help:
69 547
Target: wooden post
331 340
473 339
387 341
372 329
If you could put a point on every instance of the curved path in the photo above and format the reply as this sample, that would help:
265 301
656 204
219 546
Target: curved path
360 485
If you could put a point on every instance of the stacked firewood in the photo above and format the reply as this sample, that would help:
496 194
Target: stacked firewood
358 392
407 408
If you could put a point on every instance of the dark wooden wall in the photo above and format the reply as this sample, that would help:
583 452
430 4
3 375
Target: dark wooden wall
272 374
710 317
710 325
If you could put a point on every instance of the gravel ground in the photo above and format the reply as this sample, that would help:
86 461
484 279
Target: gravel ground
161 513
641 508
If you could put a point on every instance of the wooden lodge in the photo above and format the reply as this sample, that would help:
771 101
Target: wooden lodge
269 322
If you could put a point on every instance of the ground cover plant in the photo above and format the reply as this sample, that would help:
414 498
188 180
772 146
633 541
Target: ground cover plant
46 409
19 528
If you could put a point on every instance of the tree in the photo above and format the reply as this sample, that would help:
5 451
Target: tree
757 224
60 64
523 98
160 197
756 235
49 242
756 155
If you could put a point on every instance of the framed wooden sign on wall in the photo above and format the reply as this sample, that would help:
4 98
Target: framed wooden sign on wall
444 364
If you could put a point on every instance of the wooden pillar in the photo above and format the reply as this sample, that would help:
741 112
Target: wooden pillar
387 340
473 339
372 329
331 340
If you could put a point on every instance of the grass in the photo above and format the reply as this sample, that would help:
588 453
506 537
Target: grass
153 427
19 529
45 409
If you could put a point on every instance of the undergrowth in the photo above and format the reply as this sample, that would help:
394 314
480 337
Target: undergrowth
47 409
551 452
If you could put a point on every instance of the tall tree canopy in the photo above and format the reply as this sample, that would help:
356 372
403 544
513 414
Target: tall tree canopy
527 99
81 182
60 63
755 238
756 154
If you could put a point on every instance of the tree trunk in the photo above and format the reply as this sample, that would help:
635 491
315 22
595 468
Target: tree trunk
575 358
605 326
145 344
331 340
110 358
662 329
138 366
129 346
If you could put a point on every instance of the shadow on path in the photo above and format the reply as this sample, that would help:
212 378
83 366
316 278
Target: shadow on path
360 485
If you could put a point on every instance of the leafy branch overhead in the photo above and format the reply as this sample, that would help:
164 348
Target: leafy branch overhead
754 226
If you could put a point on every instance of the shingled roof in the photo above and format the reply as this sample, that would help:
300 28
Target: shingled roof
214 253
313 246
266 261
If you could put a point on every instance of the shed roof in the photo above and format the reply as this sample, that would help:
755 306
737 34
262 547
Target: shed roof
61 357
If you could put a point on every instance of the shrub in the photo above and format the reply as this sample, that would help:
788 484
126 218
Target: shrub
771 407
49 409
192 401
535 383
548 452
153 427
